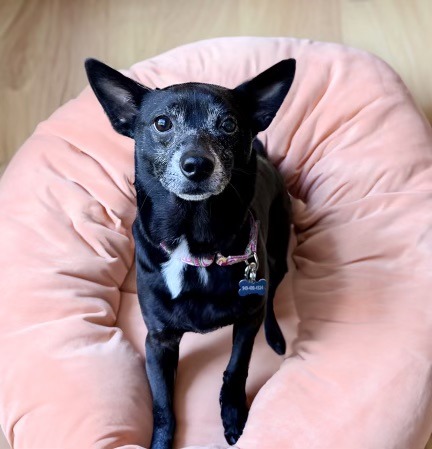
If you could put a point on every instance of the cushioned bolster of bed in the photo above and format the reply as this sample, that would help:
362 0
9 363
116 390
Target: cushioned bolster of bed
69 378
357 157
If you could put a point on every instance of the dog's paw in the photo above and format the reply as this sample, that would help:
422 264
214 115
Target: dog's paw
234 413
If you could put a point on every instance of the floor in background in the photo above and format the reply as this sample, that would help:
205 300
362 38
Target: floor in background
43 44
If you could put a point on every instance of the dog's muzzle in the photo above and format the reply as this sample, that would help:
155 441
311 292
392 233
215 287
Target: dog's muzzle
195 174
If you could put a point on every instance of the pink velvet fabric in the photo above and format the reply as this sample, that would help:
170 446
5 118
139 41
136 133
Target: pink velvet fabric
356 309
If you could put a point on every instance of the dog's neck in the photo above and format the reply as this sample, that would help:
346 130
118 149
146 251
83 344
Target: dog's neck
218 224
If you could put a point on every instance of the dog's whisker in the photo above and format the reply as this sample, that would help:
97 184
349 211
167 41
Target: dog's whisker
145 199
236 191
243 172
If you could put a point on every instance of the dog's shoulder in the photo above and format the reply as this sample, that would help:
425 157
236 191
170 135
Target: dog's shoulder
269 190
269 182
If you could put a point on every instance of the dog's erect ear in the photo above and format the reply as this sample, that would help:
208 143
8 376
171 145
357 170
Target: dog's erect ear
265 93
119 95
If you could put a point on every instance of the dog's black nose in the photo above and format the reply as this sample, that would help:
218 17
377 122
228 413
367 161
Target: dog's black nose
196 166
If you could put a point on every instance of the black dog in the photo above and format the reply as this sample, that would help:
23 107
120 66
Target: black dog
204 191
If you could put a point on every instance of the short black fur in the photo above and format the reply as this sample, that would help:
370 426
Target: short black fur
199 174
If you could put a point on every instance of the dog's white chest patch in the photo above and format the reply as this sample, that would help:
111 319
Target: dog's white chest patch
173 269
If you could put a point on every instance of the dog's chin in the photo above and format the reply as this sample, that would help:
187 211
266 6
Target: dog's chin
194 197
188 191
198 193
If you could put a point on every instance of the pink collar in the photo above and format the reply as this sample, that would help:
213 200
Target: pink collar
219 258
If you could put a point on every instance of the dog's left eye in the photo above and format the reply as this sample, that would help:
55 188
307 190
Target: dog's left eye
229 125
162 123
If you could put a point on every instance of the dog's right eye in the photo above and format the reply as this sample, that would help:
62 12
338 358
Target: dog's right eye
162 123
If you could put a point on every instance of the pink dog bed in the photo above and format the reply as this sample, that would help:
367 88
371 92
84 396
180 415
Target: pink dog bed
357 157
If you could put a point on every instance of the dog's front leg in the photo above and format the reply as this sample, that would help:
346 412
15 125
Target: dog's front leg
234 409
162 352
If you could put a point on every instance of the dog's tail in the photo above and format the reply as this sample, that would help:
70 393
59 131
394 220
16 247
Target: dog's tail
277 248
273 333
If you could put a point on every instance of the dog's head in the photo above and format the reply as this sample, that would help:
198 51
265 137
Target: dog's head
192 137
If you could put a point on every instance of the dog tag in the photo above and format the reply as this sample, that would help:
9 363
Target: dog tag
249 285
252 288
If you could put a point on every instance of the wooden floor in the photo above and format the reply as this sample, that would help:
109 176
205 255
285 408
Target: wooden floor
43 42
